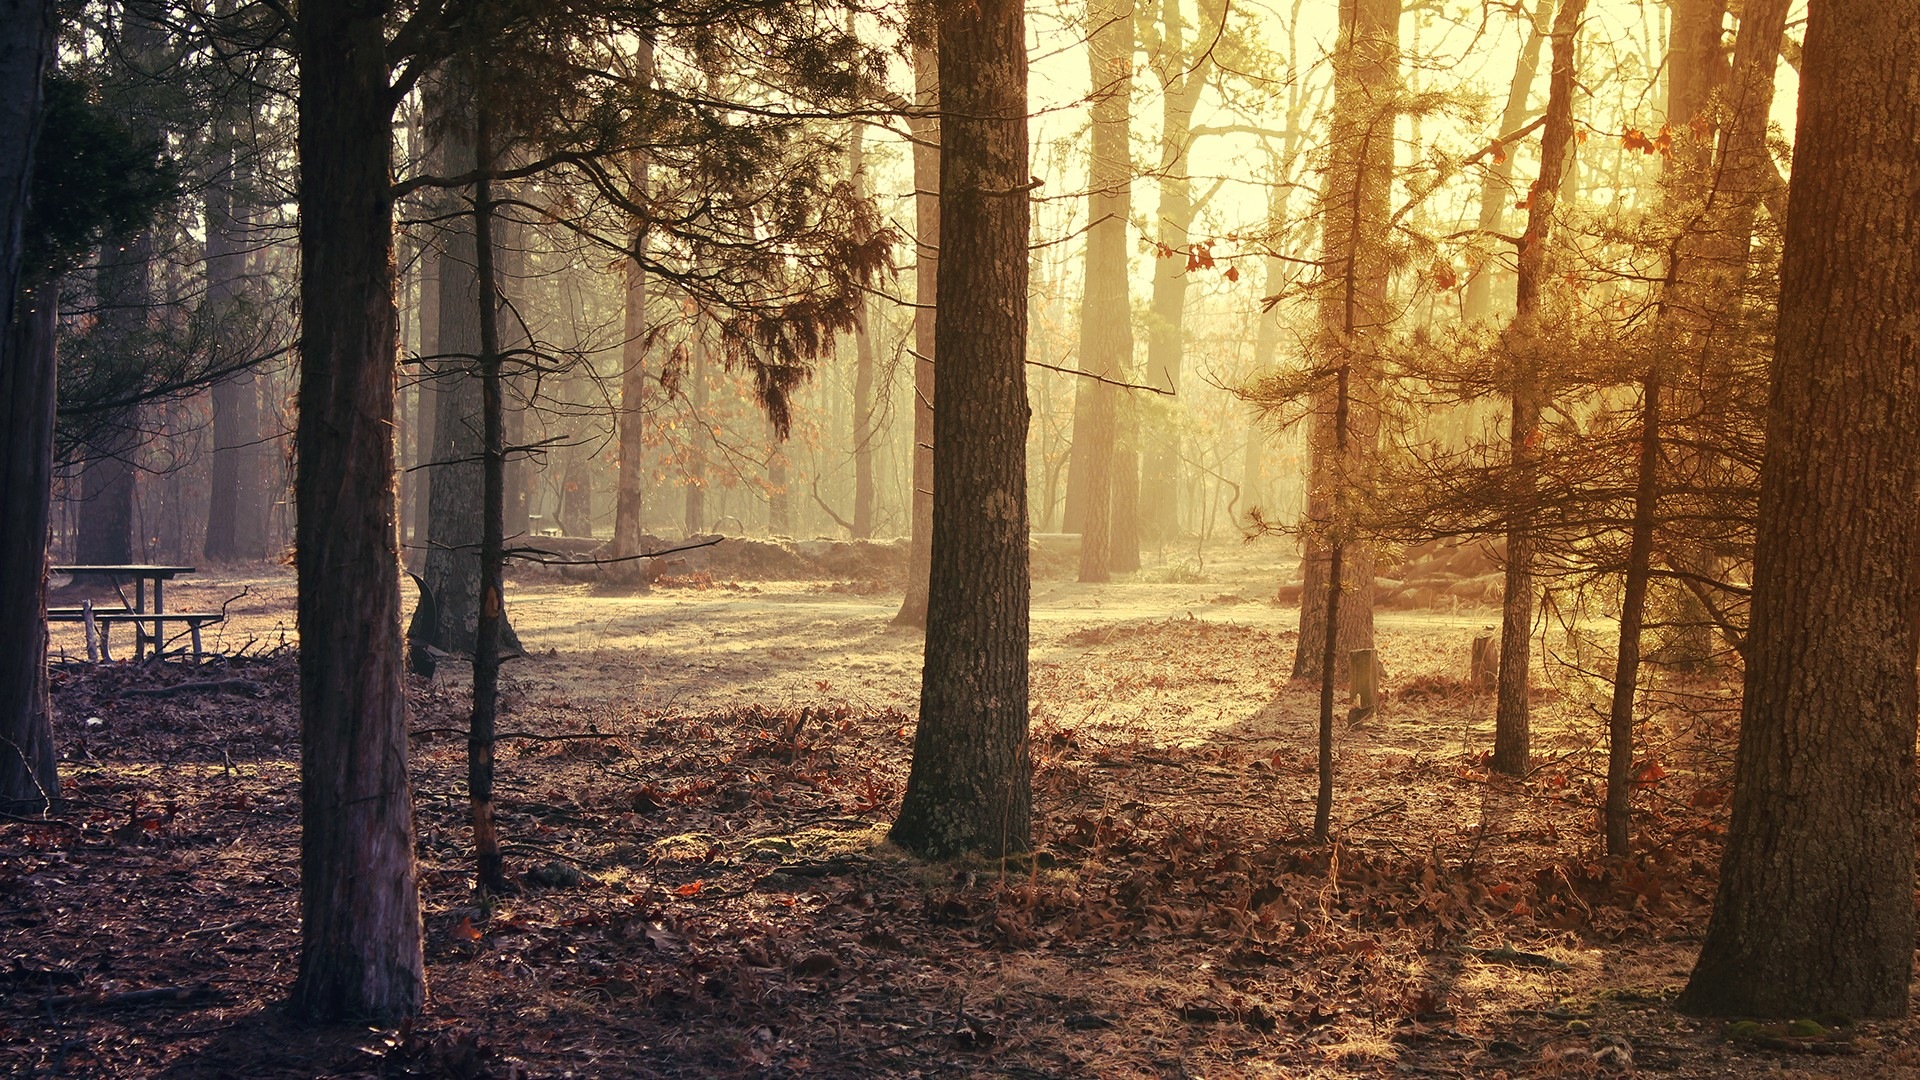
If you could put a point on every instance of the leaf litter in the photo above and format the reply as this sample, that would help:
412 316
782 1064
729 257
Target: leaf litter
704 888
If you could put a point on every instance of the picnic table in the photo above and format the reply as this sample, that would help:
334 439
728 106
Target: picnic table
100 619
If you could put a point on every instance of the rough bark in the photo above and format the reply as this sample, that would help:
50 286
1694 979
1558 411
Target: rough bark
1353 312
1527 368
926 206
29 779
1106 319
360 952
1814 912
970 789
27 765
107 486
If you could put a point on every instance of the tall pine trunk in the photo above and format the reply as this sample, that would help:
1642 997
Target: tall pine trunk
360 942
970 788
1814 913
628 527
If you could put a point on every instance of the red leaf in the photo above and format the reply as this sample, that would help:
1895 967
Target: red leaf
1233 273
691 888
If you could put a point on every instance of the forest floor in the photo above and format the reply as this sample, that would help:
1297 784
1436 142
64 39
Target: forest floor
696 819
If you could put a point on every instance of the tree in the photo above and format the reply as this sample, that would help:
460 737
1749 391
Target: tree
970 786
1525 345
1353 309
627 522
82 178
28 777
1814 912
360 932
1106 317
925 126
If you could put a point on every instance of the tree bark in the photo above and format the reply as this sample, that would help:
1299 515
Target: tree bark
970 789
1815 912
1524 347
360 942
1353 311
1106 317
925 125
28 777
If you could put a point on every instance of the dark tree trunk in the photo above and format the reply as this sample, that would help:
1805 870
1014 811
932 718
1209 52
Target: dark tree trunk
970 789
1106 326
1633 608
486 650
360 942
28 780
1353 313
1815 909
926 204
1524 350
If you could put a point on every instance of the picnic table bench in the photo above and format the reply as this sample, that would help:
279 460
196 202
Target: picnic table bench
148 626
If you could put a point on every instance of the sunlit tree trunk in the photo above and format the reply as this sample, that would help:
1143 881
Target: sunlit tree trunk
1527 362
1353 312
863 400
970 789
1814 913
925 126
360 943
1496 190
628 528
1106 318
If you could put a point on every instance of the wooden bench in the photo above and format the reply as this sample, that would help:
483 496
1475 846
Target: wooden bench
100 621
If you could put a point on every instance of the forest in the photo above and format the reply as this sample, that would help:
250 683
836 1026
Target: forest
1027 538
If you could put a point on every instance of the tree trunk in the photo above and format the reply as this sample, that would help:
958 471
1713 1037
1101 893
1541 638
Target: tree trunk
1182 77
863 401
970 789
360 952
1524 347
1353 312
28 778
457 494
486 649
1106 318
107 482
1496 190
236 520
1815 910
927 166
696 501
628 528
